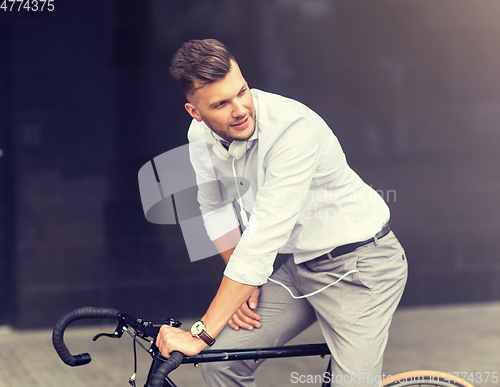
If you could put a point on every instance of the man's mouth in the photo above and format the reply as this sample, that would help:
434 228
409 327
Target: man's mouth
241 124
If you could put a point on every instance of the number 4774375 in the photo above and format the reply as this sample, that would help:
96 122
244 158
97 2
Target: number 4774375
27 5
474 377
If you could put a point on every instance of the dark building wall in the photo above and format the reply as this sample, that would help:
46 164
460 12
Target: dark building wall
410 88
422 94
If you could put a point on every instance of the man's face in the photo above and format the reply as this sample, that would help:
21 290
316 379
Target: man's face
225 106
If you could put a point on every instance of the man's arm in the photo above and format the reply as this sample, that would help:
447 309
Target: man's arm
244 317
227 243
229 298
229 306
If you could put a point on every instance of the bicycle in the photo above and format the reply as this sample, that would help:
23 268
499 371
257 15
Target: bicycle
145 332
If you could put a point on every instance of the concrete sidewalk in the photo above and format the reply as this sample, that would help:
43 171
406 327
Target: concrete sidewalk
460 338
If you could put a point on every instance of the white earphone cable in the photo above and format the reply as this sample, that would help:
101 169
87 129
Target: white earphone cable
243 213
317 291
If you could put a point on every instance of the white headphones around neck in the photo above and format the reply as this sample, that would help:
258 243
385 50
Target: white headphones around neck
236 150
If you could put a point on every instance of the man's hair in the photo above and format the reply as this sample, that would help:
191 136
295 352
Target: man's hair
203 61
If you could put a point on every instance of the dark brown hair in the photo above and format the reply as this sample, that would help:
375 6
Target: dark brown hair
204 61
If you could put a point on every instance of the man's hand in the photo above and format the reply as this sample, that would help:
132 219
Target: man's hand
245 317
171 339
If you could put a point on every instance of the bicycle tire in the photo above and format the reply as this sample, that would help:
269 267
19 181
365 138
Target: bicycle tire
424 378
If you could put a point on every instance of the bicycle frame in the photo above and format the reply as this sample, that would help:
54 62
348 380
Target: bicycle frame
256 354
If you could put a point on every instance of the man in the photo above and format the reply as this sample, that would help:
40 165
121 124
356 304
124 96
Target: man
348 270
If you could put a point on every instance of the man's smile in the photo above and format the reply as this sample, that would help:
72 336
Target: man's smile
241 124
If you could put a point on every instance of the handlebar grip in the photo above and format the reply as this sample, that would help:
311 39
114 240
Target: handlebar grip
168 366
68 318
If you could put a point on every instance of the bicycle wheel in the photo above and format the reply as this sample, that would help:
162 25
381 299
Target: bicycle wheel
425 378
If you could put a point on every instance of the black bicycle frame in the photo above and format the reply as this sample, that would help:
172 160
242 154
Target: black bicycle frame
247 354
258 353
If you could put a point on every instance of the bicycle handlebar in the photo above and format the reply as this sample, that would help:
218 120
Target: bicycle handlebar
146 328
68 318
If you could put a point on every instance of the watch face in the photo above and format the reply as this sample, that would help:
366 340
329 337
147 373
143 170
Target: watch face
197 328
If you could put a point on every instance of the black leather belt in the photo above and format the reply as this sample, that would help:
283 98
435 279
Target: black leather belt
349 248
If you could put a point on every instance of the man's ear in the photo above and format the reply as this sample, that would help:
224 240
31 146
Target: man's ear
193 112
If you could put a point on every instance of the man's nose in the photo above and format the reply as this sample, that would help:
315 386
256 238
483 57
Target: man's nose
238 109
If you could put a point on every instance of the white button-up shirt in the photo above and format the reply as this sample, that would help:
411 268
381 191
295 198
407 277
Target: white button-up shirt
302 196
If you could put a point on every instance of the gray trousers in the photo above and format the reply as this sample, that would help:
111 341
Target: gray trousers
354 314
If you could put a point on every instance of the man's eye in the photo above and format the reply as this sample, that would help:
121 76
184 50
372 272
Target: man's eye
243 91
219 105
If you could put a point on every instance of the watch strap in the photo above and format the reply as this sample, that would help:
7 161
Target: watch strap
209 340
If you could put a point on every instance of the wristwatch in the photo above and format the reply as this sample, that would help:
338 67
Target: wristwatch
198 330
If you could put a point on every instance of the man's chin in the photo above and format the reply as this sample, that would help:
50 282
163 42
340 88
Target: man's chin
244 135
